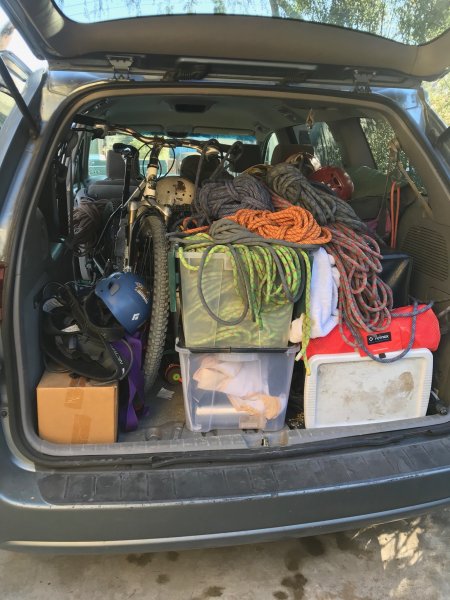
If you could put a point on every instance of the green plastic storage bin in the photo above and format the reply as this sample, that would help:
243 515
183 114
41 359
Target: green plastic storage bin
219 290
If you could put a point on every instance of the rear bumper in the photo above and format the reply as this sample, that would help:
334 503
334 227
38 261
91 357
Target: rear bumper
216 505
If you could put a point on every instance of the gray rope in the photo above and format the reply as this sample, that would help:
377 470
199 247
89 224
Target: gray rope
288 182
412 315
225 231
220 199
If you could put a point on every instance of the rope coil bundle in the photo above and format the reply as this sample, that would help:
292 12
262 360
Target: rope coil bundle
288 182
365 301
293 224
216 200
87 222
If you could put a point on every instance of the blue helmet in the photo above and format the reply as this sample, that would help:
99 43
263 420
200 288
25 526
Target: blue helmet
127 298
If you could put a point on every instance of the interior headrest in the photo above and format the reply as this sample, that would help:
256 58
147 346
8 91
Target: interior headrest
284 151
115 166
189 166
250 157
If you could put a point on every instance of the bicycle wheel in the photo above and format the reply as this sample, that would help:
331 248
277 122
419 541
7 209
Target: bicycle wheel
150 262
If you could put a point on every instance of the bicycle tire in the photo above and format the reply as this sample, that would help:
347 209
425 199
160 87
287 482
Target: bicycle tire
152 230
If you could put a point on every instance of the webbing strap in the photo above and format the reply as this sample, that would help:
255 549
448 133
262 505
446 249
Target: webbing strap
133 408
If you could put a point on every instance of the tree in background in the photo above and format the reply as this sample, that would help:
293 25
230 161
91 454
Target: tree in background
439 97
411 22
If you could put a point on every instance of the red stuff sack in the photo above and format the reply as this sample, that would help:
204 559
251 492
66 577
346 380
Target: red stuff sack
395 338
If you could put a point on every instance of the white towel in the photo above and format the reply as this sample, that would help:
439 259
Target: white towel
218 373
324 298
243 380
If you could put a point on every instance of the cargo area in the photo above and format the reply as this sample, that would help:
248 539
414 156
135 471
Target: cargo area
244 344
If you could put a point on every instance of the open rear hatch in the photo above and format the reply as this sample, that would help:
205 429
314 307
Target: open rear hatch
304 51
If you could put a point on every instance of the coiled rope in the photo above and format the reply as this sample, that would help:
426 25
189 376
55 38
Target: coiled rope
87 222
293 224
359 342
288 182
221 199
365 301
265 275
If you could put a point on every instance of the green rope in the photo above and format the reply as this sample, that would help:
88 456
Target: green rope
265 277
265 285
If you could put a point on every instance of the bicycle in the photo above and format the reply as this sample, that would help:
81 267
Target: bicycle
139 240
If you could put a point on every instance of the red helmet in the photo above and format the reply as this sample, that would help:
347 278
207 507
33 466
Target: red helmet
335 178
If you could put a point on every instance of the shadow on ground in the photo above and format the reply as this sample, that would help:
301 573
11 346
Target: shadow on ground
402 560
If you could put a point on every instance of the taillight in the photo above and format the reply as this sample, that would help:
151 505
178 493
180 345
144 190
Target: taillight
2 279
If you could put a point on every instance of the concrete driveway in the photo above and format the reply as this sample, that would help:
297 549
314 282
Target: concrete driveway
404 560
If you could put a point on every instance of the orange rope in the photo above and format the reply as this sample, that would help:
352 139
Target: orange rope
190 221
294 224
202 229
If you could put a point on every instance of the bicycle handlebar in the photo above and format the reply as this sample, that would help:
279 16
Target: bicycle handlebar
209 147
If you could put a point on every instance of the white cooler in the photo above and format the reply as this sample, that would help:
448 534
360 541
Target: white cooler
347 389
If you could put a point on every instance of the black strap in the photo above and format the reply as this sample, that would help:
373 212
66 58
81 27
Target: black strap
80 315
77 350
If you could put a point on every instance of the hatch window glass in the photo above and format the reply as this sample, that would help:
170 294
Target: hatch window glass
15 52
19 61
408 22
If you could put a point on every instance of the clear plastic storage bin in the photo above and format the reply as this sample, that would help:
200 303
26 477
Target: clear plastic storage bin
218 286
236 390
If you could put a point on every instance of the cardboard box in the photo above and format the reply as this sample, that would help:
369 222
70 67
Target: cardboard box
76 410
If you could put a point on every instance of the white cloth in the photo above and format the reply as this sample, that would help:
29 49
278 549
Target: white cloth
231 377
244 382
324 298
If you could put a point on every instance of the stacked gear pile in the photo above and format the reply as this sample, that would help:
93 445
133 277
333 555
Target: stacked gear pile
365 301
94 331
272 222
245 262
269 259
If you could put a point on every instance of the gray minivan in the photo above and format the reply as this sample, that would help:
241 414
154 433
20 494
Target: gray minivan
280 78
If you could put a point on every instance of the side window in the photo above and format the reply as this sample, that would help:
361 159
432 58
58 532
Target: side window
379 134
270 147
326 148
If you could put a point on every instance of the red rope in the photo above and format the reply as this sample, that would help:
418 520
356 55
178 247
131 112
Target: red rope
365 301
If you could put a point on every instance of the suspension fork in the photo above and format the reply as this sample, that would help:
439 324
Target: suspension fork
149 195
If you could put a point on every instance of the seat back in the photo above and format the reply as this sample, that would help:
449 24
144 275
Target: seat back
284 151
111 187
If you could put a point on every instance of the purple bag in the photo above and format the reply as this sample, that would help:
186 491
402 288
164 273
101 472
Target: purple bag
131 406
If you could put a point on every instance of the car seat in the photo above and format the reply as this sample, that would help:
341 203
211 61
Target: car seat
283 151
250 157
111 187
189 166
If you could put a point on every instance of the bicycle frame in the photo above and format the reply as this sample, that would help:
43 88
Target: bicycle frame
145 194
